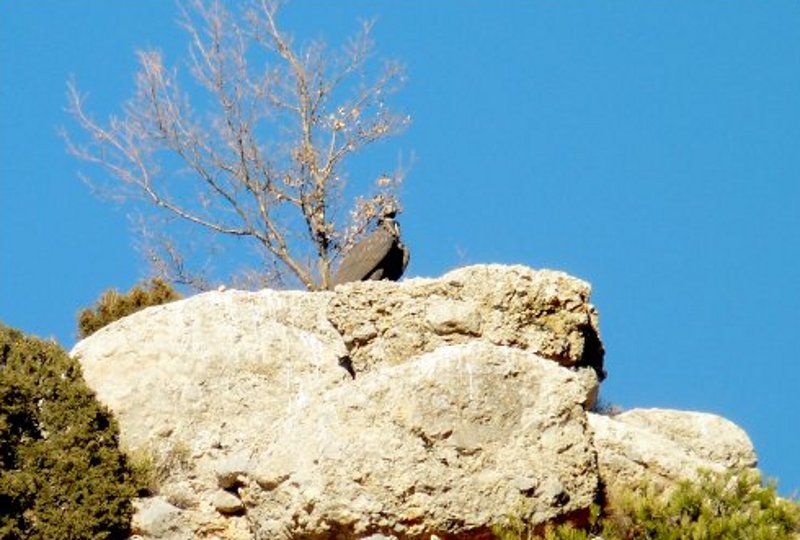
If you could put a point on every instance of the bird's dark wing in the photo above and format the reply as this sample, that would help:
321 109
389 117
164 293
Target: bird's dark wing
362 258
395 262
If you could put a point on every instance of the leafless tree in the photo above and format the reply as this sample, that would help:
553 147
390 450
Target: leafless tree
265 161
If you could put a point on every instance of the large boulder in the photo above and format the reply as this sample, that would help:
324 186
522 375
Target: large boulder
212 369
665 446
432 406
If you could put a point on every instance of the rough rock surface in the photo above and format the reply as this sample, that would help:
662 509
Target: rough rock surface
544 312
468 406
666 446
157 517
438 444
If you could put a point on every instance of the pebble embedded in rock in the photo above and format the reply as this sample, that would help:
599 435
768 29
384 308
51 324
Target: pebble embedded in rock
227 503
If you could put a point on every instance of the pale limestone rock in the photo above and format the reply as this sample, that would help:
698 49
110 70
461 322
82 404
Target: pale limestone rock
451 441
226 503
453 317
667 446
233 470
452 433
207 372
179 493
707 435
542 311
468 406
156 518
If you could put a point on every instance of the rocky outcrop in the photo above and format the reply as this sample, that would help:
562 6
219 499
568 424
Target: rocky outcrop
657 445
432 406
547 313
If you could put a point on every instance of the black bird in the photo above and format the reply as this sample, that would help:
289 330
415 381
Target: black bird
381 255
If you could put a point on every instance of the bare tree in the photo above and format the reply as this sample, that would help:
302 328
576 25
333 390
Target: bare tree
265 161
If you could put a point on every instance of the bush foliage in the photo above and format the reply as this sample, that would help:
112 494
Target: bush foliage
717 507
62 474
113 305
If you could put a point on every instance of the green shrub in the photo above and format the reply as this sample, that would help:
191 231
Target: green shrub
62 475
717 507
113 306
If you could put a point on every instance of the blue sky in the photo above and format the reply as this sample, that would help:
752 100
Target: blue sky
651 148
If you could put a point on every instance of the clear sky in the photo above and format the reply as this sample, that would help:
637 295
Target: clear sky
651 148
